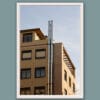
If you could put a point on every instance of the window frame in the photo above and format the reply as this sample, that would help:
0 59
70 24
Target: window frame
39 50
65 75
39 88
40 68
26 51
27 40
25 71
69 81
65 92
25 89
74 87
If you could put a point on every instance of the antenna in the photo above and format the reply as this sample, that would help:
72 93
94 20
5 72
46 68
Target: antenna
50 31
50 55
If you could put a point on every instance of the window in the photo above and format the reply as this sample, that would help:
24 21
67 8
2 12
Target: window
27 55
27 37
69 81
25 73
39 90
65 91
40 72
26 90
73 87
40 53
65 75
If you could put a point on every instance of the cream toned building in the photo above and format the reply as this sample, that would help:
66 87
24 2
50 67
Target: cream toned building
34 66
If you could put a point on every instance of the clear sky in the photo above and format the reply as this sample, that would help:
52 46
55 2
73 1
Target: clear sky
66 25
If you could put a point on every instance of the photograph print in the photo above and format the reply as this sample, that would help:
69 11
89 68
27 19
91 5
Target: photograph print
49 50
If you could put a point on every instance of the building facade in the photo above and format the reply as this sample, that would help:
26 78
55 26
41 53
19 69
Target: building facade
34 66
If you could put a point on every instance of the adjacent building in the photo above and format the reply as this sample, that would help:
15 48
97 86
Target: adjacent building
34 66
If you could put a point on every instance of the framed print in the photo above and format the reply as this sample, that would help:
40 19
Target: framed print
50 50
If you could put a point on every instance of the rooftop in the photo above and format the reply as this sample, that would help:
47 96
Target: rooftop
37 30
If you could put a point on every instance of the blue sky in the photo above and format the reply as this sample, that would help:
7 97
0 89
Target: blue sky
66 25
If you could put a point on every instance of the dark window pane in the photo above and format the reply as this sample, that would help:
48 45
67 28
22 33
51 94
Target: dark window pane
27 37
28 73
65 75
65 91
40 72
37 73
69 81
39 90
25 73
25 91
73 87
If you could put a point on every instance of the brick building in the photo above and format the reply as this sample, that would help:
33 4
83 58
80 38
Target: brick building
34 66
